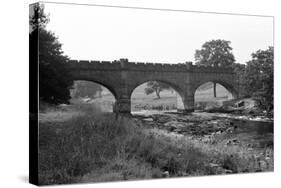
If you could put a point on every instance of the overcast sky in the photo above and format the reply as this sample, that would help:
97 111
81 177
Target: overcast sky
104 33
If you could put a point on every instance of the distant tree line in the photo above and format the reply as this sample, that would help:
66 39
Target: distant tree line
83 89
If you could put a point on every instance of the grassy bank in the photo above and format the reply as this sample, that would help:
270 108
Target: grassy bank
93 146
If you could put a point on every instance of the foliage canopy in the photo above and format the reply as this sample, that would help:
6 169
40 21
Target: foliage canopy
157 87
259 77
215 53
86 89
54 79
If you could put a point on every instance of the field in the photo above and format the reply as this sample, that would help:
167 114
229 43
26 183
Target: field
84 143
169 100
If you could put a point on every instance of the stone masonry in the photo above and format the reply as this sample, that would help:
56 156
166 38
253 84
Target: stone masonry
122 77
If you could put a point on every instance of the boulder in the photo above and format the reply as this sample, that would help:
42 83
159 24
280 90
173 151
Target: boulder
240 104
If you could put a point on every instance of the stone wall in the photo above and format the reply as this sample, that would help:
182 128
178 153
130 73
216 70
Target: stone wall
140 66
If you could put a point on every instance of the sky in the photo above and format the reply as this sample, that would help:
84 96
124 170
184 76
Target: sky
106 33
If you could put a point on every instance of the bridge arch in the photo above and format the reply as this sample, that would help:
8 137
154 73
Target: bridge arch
228 86
174 86
105 85
177 89
93 92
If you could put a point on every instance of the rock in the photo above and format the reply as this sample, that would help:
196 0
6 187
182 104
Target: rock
174 124
267 158
232 142
165 174
240 104
171 128
148 119
219 132
58 130
214 165
228 171
262 164
206 139
184 174
63 105
180 131
229 130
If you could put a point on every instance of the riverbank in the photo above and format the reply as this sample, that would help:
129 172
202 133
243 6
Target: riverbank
91 146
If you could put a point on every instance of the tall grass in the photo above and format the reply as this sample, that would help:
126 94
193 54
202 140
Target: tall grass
94 146
100 147
70 149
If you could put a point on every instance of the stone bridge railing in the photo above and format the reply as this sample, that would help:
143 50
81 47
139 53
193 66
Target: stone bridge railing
139 66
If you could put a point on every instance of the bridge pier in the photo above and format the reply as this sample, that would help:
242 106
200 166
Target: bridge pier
188 103
122 106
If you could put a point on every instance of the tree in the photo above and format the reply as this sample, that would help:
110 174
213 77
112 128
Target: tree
216 53
259 77
86 89
239 70
157 87
54 79
37 18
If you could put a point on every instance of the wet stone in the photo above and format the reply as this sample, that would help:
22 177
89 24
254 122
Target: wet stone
148 119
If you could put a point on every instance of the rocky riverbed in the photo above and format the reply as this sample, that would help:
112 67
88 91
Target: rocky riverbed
252 136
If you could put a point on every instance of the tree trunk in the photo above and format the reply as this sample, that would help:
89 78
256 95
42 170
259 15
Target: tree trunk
99 93
215 91
157 93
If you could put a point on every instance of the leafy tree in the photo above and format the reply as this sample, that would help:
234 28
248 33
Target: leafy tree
86 89
157 87
259 77
239 70
37 18
54 79
216 53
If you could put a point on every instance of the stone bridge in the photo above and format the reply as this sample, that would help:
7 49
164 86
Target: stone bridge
122 77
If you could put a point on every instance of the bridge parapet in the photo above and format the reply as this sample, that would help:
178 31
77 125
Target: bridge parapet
124 64
82 64
210 69
138 66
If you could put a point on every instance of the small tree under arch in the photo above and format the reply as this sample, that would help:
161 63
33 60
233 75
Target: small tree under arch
157 87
